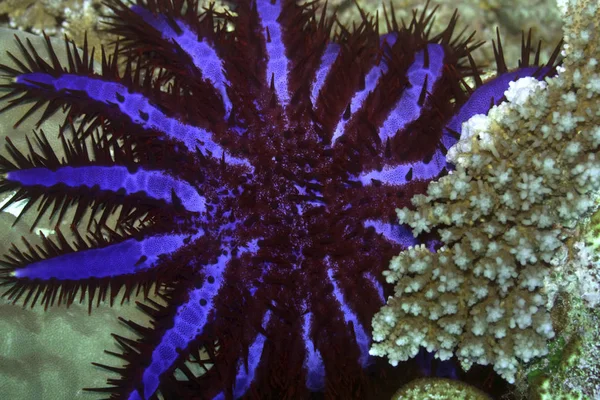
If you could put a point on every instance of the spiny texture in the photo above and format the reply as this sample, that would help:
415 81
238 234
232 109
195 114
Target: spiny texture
526 175
253 162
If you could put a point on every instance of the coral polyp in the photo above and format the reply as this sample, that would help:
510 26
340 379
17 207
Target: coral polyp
253 161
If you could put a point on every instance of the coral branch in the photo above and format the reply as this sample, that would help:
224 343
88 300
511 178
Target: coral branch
526 175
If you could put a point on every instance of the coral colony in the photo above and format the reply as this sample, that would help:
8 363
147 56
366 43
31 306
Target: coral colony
255 172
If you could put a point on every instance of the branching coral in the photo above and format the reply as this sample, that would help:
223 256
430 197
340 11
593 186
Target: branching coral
525 176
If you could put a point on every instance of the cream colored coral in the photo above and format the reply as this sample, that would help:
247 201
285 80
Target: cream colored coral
438 389
526 175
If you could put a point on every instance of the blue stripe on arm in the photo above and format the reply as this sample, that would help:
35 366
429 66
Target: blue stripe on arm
127 257
153 184
136 107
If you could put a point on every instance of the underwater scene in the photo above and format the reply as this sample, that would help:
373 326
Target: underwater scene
283 199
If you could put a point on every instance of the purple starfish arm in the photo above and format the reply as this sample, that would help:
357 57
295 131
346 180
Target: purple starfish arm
189 321
132 105
123 258
154 184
